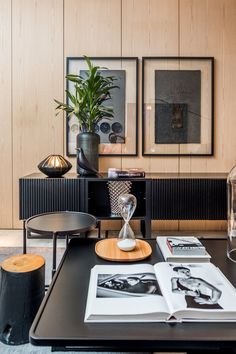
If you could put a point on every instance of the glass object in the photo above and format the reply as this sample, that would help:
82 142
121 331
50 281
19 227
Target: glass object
117 188
127 204
54 166
231 198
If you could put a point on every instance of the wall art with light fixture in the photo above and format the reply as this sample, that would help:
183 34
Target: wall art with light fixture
119 136
177 115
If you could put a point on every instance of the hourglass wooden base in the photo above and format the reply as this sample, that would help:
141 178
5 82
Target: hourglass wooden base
108 250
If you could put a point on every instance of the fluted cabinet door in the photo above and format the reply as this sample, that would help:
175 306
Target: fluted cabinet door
43 195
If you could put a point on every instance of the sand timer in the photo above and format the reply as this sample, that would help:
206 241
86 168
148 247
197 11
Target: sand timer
127 204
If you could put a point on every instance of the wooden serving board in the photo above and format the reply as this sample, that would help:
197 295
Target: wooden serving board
108 249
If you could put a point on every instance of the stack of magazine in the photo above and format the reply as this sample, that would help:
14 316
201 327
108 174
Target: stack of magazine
182 249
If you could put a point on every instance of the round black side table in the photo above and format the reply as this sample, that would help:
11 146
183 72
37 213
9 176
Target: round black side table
64 223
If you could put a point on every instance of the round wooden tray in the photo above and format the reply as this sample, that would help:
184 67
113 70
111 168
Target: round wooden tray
108 249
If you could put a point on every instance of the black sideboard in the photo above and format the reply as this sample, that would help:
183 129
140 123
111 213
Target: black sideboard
160 196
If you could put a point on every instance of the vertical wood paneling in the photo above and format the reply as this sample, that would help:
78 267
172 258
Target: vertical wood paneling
5 120
32 68
37 69
149 28
208 28
93 28
228 140
201 34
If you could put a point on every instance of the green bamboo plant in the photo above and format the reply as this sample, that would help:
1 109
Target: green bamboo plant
87 101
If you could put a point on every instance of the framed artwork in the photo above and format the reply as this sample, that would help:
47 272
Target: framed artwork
177 106
119 135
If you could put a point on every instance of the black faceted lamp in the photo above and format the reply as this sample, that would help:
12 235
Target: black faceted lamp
54 166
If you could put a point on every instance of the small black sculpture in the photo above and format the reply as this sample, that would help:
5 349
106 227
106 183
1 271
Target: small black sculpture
83 162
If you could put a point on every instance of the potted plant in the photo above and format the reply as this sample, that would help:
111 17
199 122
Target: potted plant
87 104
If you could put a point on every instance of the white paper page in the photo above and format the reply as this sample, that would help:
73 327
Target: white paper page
196 287
124 290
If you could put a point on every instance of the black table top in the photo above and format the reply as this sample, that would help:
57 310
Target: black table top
60 319
61 223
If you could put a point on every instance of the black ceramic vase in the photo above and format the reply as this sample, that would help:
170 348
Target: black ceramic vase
89 142
54 166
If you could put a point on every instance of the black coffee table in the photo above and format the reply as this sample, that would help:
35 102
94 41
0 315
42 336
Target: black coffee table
60 319
64 223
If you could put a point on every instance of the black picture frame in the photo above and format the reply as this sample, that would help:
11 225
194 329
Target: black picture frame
165 72
129 146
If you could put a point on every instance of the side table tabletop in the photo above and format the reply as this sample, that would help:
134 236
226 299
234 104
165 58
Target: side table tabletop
64 223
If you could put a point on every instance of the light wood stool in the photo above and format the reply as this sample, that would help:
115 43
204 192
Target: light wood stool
22 280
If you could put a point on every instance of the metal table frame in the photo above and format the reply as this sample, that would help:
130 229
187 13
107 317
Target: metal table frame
56 230
60 323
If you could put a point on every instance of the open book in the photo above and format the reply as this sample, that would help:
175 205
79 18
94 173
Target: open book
163 292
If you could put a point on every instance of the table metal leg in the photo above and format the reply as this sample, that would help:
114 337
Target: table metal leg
24 238
99 228
67 240
54 255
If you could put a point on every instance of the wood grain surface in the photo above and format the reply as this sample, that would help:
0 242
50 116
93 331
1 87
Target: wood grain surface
36 38
108 249
22 263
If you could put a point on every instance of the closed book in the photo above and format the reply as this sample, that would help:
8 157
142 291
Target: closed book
185 245
184 257
130 173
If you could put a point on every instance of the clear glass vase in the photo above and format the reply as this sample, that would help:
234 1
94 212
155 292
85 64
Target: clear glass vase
231 211
127 204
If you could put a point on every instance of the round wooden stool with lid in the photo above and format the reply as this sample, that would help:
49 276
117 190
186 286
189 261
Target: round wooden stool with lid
22 281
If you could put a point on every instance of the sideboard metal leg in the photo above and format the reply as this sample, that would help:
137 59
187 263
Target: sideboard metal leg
143 228
54 254
24 238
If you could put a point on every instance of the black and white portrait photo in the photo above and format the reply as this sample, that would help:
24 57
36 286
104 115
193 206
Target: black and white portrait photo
198 292
127 285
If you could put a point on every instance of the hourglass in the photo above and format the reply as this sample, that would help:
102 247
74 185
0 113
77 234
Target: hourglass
127 204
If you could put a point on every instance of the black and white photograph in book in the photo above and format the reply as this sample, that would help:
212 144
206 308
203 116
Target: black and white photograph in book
160 292
198 292
127 285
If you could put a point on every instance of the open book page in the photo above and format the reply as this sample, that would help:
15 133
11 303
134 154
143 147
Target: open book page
125 293
196 291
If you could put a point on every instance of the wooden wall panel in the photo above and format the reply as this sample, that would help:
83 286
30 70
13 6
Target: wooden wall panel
201 34
228 140
93 28
208 28
37 69
5 120
149 28
32 70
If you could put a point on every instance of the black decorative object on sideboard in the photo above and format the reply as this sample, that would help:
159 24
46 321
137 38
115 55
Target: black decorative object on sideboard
54 166
159 196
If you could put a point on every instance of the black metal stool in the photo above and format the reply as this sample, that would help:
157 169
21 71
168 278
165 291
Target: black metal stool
64 223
